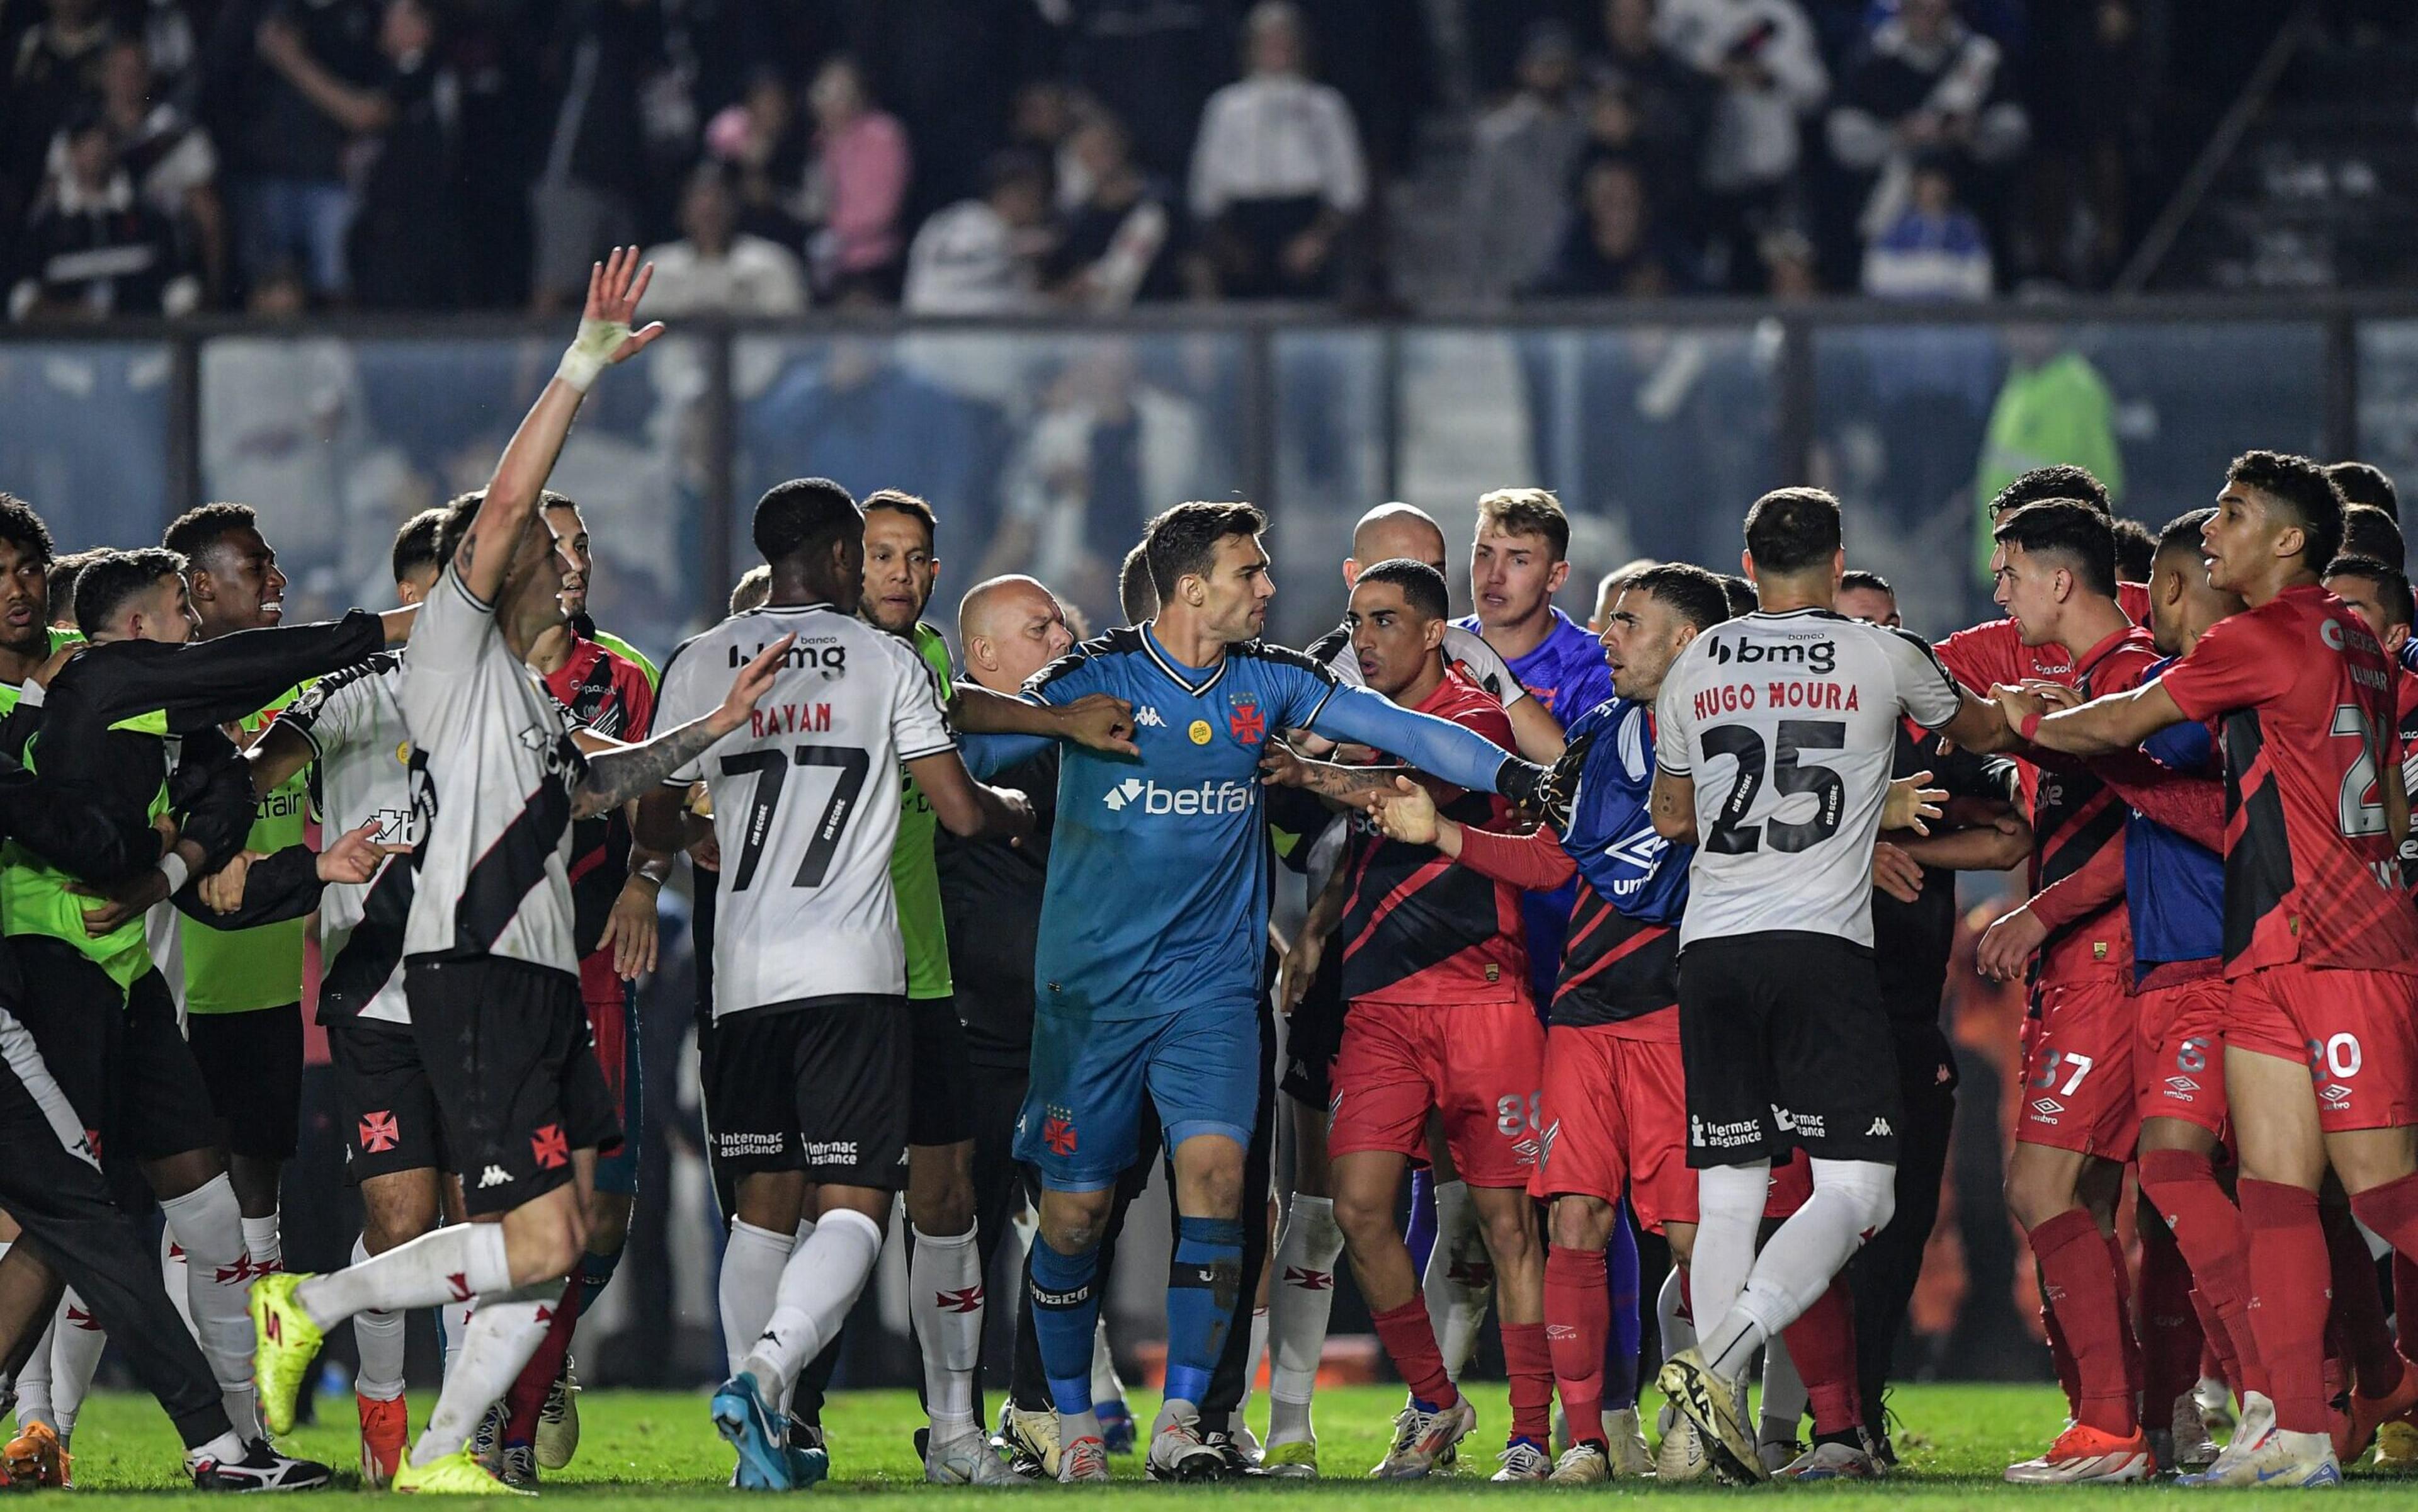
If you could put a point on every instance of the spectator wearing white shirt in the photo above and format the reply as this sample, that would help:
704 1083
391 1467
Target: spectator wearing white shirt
1763 55
1519 186
717 270
1277 174
1933 248
983 256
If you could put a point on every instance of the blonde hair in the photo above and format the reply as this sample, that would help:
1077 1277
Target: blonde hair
1526 512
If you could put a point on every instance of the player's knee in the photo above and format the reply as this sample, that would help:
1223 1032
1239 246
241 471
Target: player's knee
391 1218
607 1222
1210 1186
1580 1222
1072 1222
1867 1186
944 1211
2033 1197
1511 1232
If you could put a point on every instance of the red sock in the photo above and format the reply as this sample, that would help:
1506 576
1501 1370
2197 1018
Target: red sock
1411 1343
2060 1355
1822 1342
527 1398
2289 1275
2358 1307
2207 1227
2170 1335
2079 1286
2119 1271
1529 1361
1578 1315
2405 1300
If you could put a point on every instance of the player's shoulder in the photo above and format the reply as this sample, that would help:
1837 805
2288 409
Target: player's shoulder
1332 647
1269 657
1623 733
1462 700
639 661
1105 650
373 674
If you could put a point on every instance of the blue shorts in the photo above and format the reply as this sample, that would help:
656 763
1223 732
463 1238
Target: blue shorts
1082 1111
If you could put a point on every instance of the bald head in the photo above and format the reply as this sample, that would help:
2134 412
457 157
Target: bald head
1390 531
1011 627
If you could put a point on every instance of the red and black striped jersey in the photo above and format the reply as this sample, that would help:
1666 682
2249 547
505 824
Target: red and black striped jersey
603 692
2075 818
2304 698
1416 928
1615 968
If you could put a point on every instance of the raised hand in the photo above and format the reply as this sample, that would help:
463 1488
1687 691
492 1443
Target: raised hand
355 858
1407 813
1910 805
1102 722
615 286
1896 872
749 687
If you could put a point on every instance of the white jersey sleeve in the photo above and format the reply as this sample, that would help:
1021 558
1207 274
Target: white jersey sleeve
1926 690
686 694
1788 723
919 722
355 725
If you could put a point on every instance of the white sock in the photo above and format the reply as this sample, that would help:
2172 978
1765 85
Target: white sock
454 1263
225 1449
209 1226
171 1278
819 1286
77 1342
1457 1310
1106 1387
1729 1210
261 1241
1300 1304
453 1321
379 1336
805 1232
1783 1393
504 1332
1798 1264
1670 1312
751 1272
1251 1363
34 1382
944 1281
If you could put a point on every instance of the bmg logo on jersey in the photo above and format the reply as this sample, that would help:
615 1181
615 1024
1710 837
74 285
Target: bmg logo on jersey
825 655
1816 653
1209 798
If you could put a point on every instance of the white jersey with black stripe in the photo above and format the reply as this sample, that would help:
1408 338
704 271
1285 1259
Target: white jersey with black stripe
1788 723
803 801
361 752
493 769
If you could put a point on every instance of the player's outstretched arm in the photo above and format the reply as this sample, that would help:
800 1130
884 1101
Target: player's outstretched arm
618 775
1980 726
966 808
280 752
2118 722
1460 755
1672 806
1535 732
615 286
1098 720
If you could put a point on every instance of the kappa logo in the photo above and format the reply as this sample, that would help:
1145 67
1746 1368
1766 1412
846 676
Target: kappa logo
1147 718
2046 1108
378 1132
494 1176
1880 1130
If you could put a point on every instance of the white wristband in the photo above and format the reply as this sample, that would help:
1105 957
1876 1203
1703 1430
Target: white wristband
173 867
592 352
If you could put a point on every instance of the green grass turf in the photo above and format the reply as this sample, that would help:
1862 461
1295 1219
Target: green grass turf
658 1448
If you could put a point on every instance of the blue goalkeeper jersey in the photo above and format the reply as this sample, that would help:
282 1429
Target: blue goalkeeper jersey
1158 889
2174 886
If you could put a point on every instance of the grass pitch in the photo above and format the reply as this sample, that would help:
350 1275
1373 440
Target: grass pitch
658 1449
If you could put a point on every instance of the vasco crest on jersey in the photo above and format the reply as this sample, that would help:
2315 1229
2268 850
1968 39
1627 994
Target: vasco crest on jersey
1244 721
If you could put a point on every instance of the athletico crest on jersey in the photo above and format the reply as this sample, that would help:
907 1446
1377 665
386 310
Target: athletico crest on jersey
1788 723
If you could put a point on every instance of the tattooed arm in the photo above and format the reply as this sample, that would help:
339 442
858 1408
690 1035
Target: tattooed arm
1283 766
615 776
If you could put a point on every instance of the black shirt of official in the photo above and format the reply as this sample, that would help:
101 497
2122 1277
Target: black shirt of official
1911 941
991 898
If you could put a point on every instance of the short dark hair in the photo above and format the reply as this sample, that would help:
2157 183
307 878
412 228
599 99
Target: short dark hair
111 577
2302 487
2069 529
1790 529
1527 511
2391 581
1869 581
415 544
22 528
899 502
1183 542
1137 595
62 582
1743 599
2063 481
2135 549
798 518
1701 598
194 532
2361 483
1422 586
2368 531
2182 531
461 511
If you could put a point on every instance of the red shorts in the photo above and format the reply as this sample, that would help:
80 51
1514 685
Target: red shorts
1791 1185
2078 1070
1478 1065
606 998
1616 1119
2179 1053
2358 1031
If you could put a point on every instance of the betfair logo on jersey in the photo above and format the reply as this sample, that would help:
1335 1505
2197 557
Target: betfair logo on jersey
1816 654
1209 798
825 656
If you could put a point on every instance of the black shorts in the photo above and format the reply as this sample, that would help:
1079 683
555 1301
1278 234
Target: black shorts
251 1066
118 1055
1314 1035
386 1106
939 1089
821 1087
1786 1046
507 1047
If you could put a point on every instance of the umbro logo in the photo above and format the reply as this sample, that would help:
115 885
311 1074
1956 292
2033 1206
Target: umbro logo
494 1176
2335 1095
2181 1086
2048 1106
1147 718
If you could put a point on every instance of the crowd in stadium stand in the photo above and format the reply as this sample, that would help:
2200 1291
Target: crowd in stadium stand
1024 155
